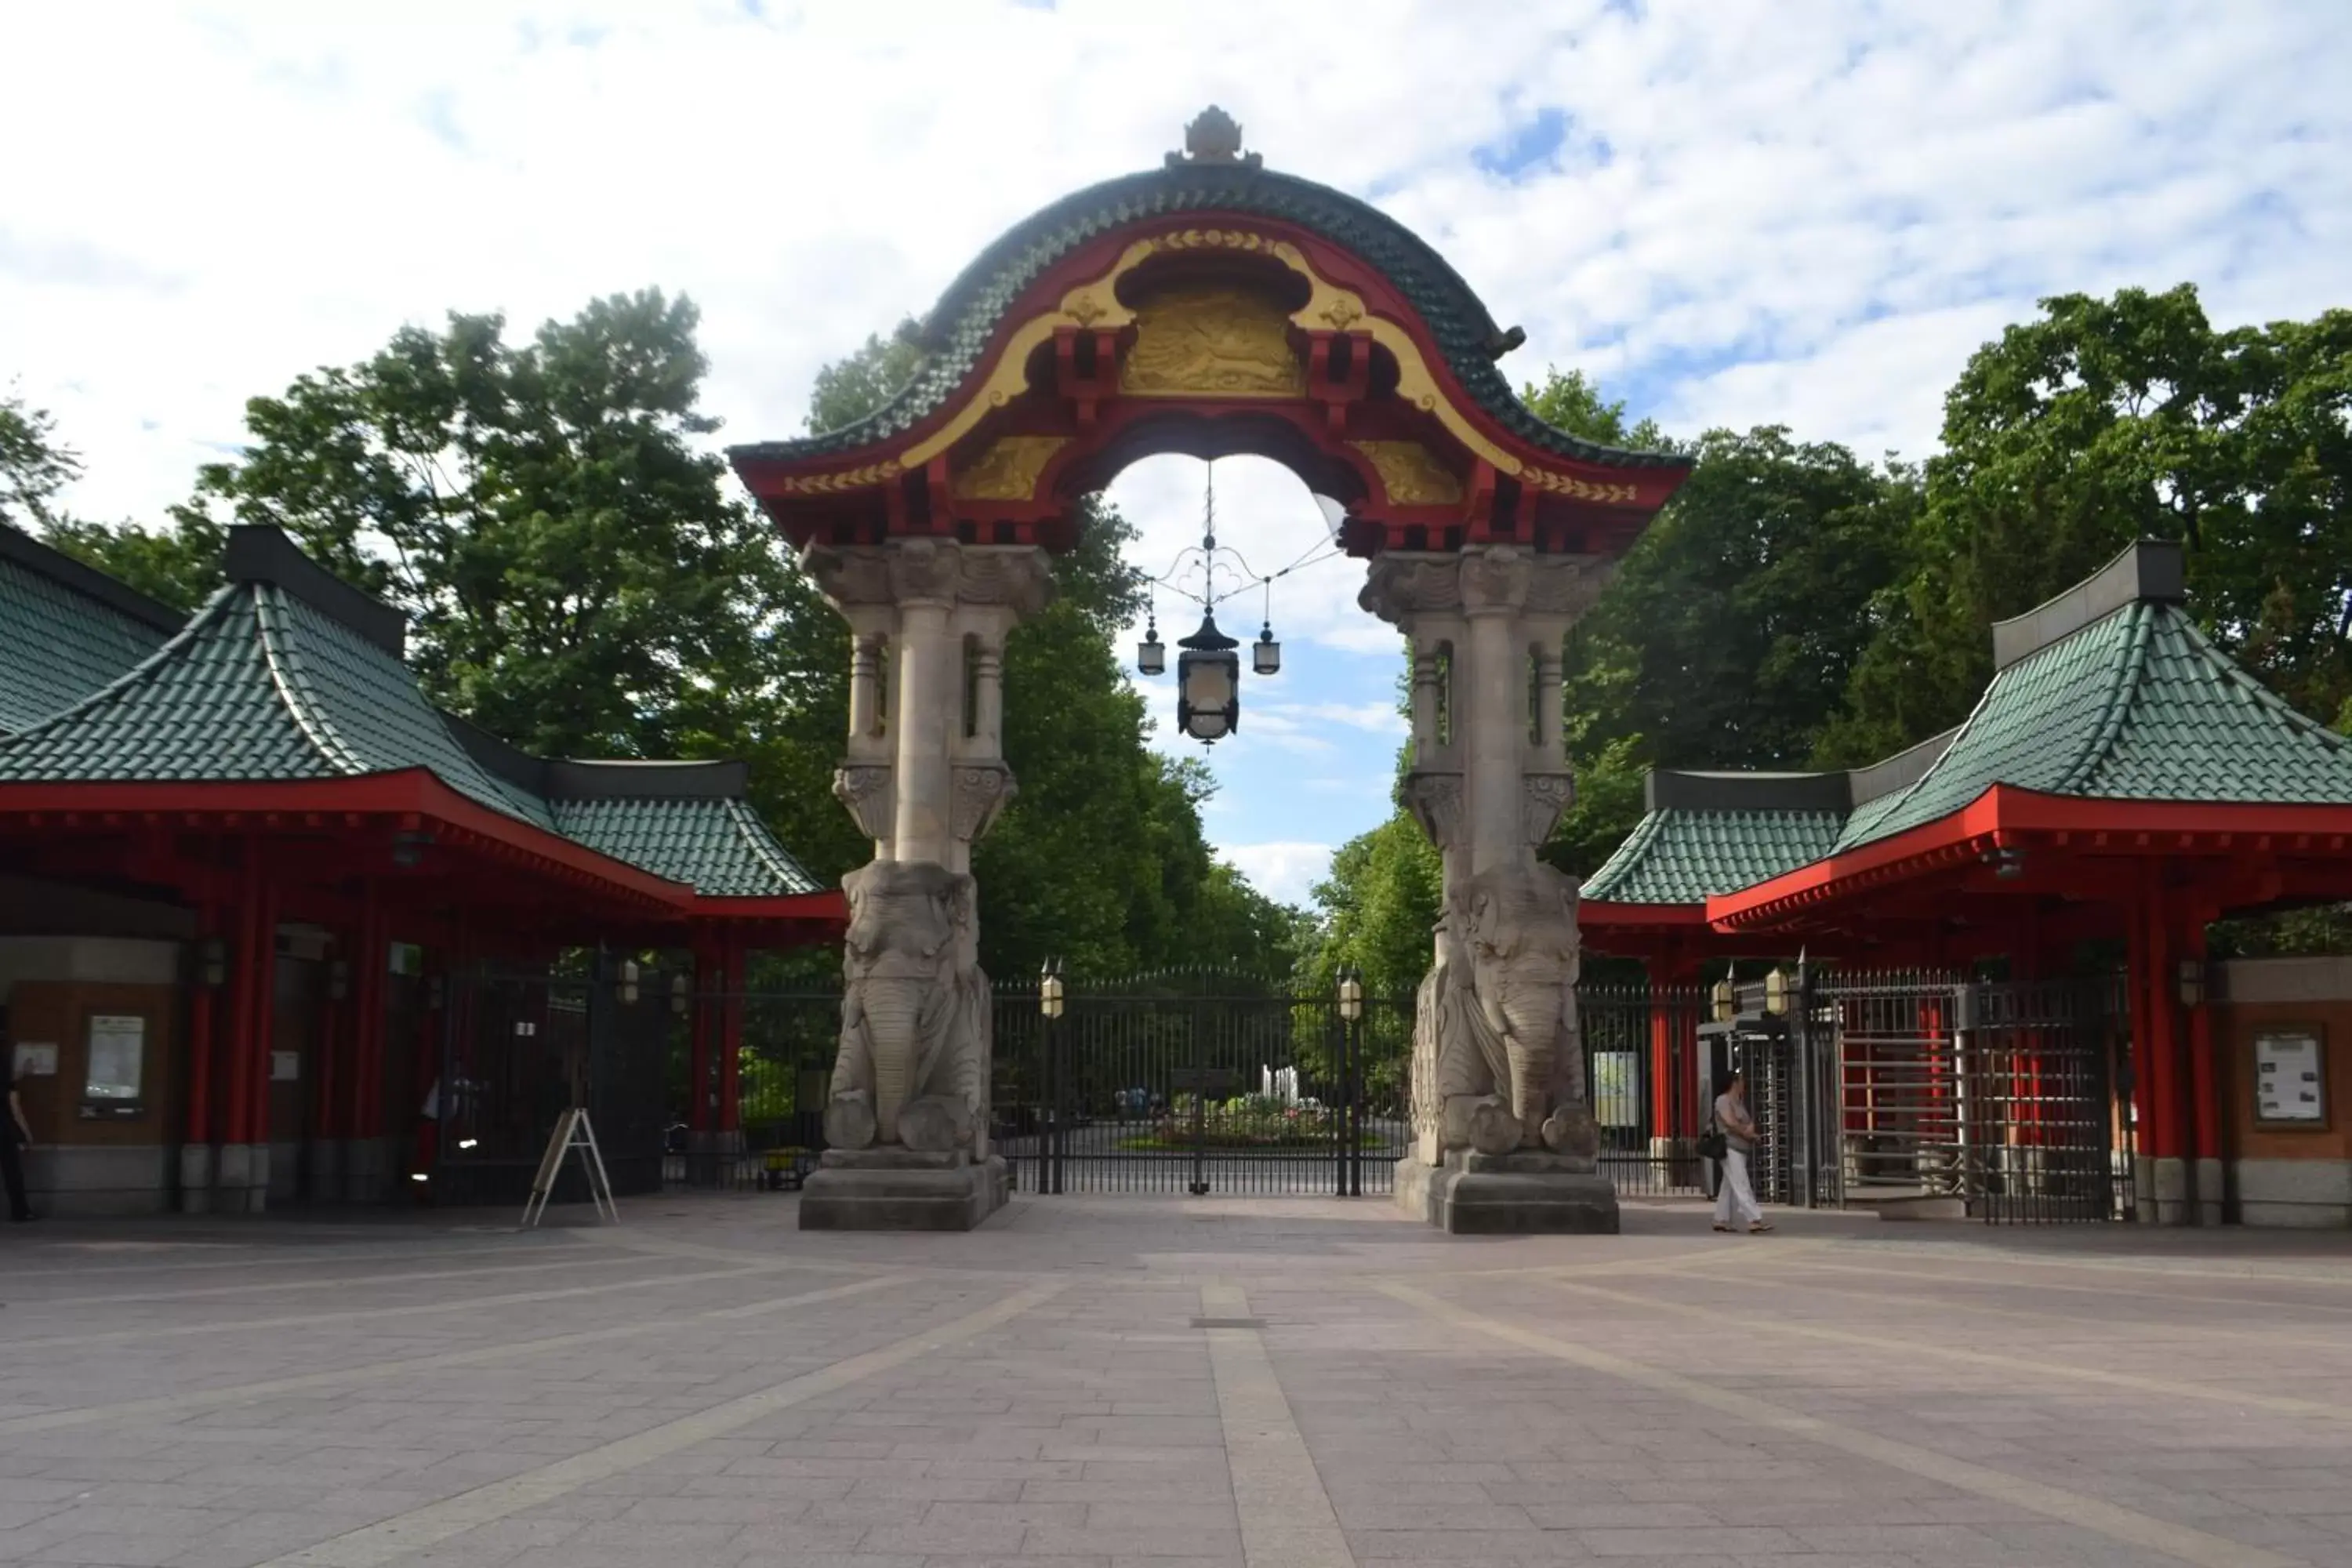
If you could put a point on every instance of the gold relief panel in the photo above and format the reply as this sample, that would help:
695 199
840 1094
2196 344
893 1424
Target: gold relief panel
1212 342
1008 470
1411 474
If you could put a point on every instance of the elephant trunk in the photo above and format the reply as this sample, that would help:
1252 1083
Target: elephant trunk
894 1008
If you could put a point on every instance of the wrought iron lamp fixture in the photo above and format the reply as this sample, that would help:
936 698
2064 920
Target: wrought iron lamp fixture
2192 980
1049 988
1208 667
1351 993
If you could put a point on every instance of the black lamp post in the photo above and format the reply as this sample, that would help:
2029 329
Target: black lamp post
1049 1012
1351 1068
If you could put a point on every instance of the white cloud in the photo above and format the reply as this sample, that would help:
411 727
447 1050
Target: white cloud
1759 214
1284 872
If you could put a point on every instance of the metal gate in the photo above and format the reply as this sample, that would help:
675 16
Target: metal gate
1205 1082
1999 1096
520 1048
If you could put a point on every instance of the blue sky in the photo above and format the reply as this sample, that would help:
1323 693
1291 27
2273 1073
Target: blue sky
1731 212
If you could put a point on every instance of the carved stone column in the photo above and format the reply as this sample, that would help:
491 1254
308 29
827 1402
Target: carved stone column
1504 1136
925 775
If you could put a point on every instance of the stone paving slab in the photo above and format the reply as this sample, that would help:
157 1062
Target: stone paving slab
706 1384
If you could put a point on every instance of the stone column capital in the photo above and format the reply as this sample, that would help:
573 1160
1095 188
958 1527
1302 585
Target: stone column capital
1016 579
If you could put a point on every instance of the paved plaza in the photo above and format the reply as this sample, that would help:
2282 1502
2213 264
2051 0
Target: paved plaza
1174 1382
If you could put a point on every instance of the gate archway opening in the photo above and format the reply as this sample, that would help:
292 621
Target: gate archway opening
1216 307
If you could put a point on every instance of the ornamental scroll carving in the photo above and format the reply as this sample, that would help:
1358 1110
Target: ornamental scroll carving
1435 801
863 791
1494 581
979 795
1544 799
1212 342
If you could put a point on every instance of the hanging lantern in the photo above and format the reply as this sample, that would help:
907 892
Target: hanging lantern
1208 684
1266 655
1151 654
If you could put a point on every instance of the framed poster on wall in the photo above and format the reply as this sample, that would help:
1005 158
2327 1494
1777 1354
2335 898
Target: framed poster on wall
115 1058
2290 1078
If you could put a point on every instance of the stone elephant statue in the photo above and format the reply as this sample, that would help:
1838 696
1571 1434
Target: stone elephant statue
913 1057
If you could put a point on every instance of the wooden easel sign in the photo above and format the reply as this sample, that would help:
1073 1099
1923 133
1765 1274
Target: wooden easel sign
571 1131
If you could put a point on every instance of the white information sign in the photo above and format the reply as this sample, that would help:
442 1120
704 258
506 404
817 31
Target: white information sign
35 1058
2286 1078
118 1056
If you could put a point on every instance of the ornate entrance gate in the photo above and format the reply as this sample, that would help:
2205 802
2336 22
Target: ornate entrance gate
1205 1083
1212 306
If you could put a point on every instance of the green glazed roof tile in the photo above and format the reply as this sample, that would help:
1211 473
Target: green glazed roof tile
360 706
1681 857
2136 706
57 646
958 330
202 706
718 846
261 686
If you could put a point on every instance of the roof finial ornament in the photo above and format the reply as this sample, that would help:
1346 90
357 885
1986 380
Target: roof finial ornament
1213 137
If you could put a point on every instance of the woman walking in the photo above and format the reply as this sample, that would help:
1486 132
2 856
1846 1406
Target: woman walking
1735 1200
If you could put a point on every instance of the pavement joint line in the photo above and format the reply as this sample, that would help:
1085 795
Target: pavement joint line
404 1535
2267 1336
2338 1278
363 1314
2132 1288
2284 1404
1287 1516
277 1287
194 1400
258 1257
2129 1525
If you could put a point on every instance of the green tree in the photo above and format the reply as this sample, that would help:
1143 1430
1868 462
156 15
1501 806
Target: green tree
1571 401
1734 625
35 465
2101 422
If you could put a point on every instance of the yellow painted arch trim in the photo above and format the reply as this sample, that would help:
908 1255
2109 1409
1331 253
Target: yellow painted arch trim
1095 305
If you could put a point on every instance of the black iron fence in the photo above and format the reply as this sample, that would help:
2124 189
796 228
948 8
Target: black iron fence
518 1049
1865 1087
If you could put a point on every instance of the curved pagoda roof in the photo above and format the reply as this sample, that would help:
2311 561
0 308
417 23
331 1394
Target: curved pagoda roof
1211 305
65 630
956 334
289 674
2107 696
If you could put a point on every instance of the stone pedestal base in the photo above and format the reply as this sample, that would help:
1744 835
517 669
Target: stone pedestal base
1509 1195
197 1178
901 1189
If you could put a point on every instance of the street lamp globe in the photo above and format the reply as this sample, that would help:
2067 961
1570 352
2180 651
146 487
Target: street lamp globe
1265 654
1208 684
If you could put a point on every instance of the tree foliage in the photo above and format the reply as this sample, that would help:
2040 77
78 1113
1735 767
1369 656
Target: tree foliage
35 465
2109 420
